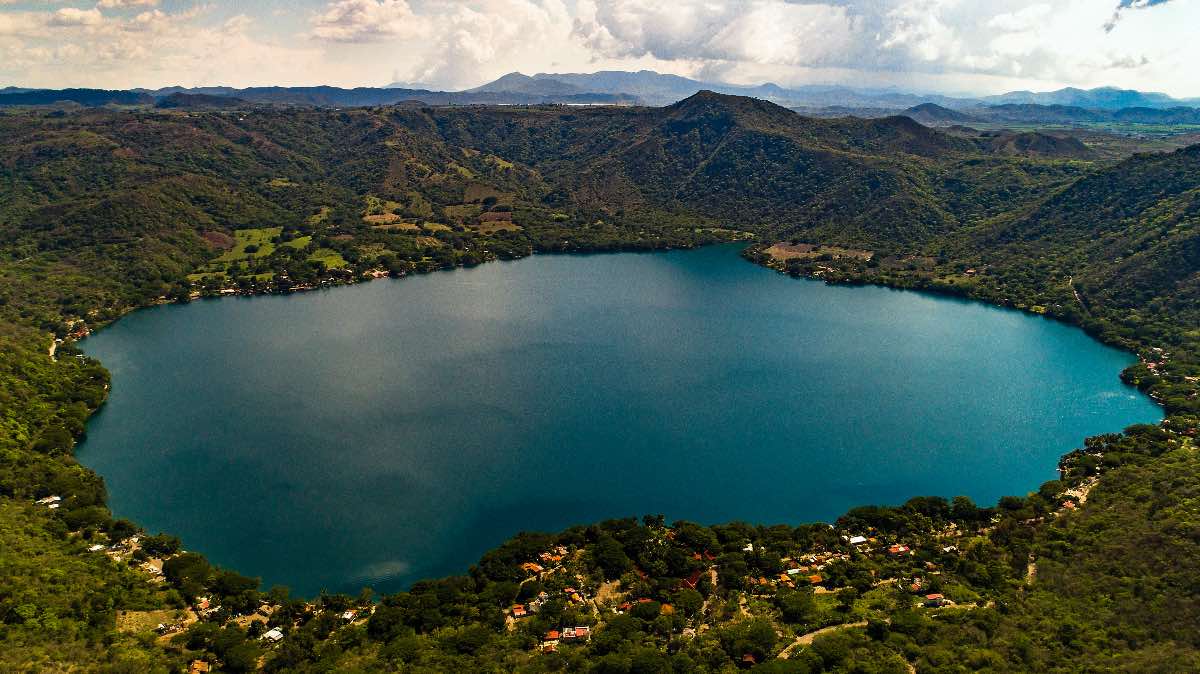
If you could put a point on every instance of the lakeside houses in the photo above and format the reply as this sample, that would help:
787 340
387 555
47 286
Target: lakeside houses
567 571
936 601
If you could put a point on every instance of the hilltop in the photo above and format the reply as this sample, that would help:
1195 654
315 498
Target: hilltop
931 113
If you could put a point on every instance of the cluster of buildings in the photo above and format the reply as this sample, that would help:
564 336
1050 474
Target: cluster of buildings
554 637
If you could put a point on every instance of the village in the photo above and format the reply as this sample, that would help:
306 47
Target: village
680 582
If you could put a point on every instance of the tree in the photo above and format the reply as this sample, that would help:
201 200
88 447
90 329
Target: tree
964 509
610 557
189 573
798 607
687 601
647 610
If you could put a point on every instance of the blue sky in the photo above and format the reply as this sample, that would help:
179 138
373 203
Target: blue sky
954 46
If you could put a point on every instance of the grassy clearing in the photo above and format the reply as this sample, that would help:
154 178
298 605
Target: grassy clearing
810 251
733 233
493 227
298 242
372 251
476 192
463 212
462 170
399 226
245 238
435 227
136 622
281 182
204 276
331 258
320 216
377 206
381 219
500 163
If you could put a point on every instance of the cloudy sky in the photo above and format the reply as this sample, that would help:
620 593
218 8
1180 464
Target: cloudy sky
953 46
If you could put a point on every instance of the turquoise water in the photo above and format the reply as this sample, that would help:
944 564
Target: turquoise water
385 432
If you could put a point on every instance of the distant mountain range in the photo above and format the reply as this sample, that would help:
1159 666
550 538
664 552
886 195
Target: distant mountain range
652 88
646 87
932 114
658 89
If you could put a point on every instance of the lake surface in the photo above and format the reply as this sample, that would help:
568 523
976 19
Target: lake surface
390 431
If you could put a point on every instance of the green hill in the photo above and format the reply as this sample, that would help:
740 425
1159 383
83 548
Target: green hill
105 211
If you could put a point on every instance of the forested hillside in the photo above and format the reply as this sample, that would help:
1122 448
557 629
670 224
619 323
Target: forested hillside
105 211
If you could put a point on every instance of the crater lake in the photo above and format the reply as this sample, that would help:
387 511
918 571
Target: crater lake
385 432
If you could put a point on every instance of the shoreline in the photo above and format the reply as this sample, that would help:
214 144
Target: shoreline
369 277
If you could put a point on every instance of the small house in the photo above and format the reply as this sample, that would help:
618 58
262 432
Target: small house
519 611
275 635
691 581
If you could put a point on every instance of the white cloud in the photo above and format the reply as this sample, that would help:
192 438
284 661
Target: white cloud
366 21
121 4
961 45
85 48
761 31
450 43
72 16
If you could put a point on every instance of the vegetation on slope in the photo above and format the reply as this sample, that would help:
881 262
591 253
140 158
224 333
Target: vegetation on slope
102 212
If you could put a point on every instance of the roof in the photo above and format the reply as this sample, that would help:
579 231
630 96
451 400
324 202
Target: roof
552 635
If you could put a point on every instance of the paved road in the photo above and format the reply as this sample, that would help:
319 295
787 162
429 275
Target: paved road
807 639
